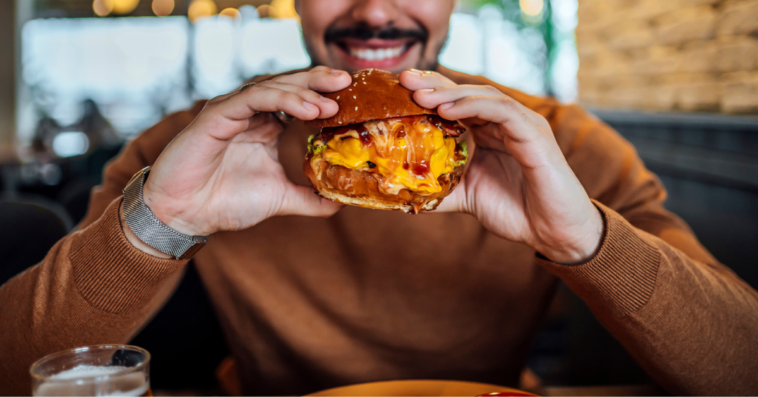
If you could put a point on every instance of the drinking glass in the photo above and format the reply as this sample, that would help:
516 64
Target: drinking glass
100 370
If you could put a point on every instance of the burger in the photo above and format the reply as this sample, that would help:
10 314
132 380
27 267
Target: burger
382 150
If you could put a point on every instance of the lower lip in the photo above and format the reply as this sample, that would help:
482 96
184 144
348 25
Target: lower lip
389 63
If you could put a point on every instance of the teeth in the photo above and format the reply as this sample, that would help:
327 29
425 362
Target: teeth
380 54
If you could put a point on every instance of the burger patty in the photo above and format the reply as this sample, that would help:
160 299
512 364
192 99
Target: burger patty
364 185
403 153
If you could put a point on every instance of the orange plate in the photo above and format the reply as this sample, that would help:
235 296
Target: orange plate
421 388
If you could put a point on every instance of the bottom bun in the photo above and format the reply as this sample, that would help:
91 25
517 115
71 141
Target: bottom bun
357 188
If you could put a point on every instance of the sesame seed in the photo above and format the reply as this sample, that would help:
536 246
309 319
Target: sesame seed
351 89
338 97
354 97
340 122
364 82
356 108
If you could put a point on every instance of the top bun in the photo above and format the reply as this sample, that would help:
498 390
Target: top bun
373 95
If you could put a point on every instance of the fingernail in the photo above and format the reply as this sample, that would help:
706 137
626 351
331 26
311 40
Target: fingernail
309 106
336 72
426 91
446 106
415 71
323 98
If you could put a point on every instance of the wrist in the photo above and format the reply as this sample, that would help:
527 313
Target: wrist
173 214
584 248
135 241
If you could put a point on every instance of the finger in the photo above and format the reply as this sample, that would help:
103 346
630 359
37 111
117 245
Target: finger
501 110
455 202
302 200
327 107
320 78
430 98
264 98
487 139
415 80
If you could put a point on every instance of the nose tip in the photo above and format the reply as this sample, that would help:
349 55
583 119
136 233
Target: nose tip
375 12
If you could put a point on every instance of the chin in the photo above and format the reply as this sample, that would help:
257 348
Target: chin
382 150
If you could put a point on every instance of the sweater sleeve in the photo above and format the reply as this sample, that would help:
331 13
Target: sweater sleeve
93 286
686 318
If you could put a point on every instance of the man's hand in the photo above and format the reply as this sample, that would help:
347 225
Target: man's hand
222 172
519 184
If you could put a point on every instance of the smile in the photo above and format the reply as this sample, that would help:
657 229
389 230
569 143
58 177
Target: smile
377 54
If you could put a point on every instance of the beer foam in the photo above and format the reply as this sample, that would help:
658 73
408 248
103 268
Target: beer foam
86 371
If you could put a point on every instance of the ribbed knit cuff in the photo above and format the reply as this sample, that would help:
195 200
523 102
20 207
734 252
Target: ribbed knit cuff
112 274
621 276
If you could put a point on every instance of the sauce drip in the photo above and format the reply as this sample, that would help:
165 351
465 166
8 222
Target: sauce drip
364 135
420 168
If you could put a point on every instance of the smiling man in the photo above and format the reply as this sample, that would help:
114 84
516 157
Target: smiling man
394 36
312 295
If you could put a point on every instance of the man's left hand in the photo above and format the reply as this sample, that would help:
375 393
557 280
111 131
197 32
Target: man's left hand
519 184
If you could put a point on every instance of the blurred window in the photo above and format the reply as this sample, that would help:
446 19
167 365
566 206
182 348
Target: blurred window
525 44
137 69
229 51
134 69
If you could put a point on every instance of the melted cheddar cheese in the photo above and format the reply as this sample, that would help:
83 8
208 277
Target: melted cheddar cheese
404 153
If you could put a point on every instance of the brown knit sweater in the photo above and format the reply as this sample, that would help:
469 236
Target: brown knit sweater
311 303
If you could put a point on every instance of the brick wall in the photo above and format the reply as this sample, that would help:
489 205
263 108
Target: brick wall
685 55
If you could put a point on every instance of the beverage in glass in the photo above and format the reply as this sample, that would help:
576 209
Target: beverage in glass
101 370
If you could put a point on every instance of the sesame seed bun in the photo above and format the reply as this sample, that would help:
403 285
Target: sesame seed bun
373 95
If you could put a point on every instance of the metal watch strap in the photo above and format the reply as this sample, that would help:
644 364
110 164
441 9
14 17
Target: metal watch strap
148 228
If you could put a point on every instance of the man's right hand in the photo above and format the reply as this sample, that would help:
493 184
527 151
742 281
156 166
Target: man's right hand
222 172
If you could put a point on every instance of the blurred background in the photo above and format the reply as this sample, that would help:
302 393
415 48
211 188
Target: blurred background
678 78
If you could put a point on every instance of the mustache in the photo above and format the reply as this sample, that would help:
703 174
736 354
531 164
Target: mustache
364 32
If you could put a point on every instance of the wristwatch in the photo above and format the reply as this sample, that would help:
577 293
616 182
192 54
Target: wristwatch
148 228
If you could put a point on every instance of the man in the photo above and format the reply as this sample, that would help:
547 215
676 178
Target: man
312 295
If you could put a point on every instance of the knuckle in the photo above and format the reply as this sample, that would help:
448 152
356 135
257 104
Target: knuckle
492 89
213 104
507 101
288 96
321 69
544 123
265 84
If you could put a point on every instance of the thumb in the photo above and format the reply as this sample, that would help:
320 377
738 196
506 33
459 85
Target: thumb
302 200
455 202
